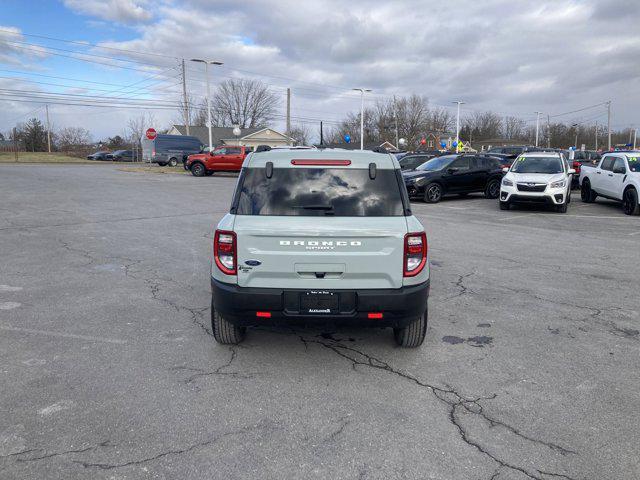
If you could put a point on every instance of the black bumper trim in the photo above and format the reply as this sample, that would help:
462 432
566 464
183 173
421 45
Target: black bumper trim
399 306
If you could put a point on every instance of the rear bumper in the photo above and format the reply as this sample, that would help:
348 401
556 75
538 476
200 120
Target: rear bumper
398 306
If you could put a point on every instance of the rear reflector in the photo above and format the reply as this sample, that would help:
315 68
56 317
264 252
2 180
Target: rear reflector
374 315
263 314
321 162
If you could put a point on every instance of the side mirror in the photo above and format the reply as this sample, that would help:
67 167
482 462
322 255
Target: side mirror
451 170
505 169
571 171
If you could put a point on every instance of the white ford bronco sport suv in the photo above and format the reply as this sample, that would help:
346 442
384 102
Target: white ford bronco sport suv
320 235
537 177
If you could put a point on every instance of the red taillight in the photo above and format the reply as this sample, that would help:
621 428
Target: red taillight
415 253
263 314
576 166
342 163
375 315
224 251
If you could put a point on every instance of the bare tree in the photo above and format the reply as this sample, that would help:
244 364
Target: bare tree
514 128
244 102
481 126
300 134
136 126
73 137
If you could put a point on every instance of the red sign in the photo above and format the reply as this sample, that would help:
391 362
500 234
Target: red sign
151 134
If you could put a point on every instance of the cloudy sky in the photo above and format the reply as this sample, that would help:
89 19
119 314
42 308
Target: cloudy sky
512 57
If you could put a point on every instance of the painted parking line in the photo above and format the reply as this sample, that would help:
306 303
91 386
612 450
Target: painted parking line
64 335
503 219
634 233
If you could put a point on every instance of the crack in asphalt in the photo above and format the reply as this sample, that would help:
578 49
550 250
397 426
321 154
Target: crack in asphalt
106 443
460 284
210 441
152 280
218 371
454 401
595 315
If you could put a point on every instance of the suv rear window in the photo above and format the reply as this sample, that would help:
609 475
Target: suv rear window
312 192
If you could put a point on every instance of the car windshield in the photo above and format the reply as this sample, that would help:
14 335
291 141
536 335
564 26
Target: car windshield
437 163
408 163
537 165
340 192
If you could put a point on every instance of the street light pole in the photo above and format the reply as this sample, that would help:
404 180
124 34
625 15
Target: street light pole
362 90
206 73
458 124
609 123
537 126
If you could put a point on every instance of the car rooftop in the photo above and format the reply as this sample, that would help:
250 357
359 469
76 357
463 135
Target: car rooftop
359 158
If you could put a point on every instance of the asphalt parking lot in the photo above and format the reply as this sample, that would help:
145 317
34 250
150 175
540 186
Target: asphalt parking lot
109 370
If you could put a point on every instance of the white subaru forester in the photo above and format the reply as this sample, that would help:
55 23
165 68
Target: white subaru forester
537 177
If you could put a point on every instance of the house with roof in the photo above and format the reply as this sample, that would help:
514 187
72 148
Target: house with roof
249 137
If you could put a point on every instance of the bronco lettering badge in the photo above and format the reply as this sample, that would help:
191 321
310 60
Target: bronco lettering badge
321 244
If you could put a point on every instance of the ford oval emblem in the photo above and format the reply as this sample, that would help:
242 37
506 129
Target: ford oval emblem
253 263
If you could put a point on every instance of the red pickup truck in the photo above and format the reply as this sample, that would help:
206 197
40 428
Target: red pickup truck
221 159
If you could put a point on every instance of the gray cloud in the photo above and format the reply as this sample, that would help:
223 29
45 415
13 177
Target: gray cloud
510 57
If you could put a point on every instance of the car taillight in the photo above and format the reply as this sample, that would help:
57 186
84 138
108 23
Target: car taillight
415 253
576 166
224 251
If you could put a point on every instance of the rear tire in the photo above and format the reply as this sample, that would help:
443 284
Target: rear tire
173 162
412 335
433 193
225 332
630 202
586 194
493 189
197 169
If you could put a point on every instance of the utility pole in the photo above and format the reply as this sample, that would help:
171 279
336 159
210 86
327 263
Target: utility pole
596 136
362 90
609 123
288 116
321 139
395 116
548 131
15 143
187 119
635 137
46 108
537 126
458 124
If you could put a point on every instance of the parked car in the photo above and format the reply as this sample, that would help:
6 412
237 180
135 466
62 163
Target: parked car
616 177
121 156
413 160
320 235
454 174
169 149
580 158
225 158
510 150
537 177
100 155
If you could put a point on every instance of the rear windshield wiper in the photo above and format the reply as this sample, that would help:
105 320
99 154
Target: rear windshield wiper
328 209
